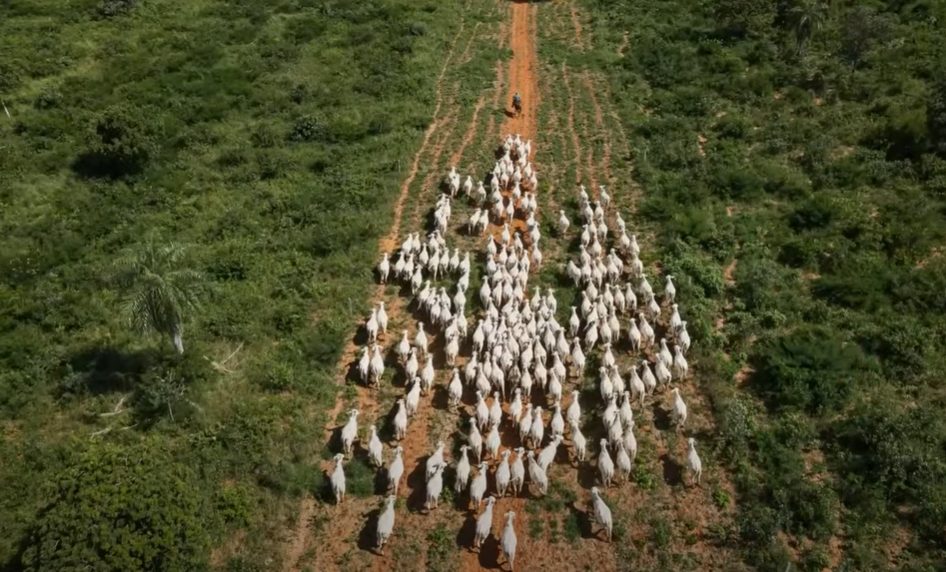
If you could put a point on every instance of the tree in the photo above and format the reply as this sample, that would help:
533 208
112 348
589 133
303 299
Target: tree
936 113
862 28
163 293
745 17
806 17
120 508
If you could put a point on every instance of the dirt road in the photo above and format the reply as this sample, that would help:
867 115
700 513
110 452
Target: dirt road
553 532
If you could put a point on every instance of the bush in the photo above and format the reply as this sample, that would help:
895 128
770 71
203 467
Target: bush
736 426
732 127
812 368
48 98
120 508
737 180
745 17
816 212
936 115
783 181
9 77
308 128
111 8
119 144
900 450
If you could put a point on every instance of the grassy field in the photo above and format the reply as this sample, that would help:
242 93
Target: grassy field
791 164
268 141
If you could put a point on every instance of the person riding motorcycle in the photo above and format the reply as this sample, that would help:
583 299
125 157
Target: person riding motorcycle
517 101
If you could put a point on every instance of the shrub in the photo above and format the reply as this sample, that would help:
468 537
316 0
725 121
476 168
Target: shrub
736 426
745 17
120 508
720 498
9 77
732 127
816 212
119 144
48 98
737 180
111 8
758 524
308 128
936 115
783 181
810 368
901 450
264 136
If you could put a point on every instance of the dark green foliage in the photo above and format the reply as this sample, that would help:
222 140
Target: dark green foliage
9 77
49 98
862 27
572 527
308 128
111 8
936 115
119 144
900 450
119 508
359 478
745 16
821 177
816 212
810 368
137 122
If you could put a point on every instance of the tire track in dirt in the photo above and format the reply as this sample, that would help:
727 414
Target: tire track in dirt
570 125
420 435
522 77
631 185
470 132
600 127
467 53
390 241
556 27
299 542
522 71
689 504
503 7
417 442
581 120
435 169
577 28
492 133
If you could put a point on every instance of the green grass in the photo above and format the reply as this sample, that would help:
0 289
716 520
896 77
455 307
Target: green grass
267 138
572 527
817 154
440 549
536 528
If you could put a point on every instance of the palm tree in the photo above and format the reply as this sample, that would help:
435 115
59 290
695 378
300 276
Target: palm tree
162 293
807 17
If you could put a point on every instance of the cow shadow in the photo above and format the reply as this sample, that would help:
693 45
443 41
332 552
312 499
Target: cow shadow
489 552
672 470
367 537
662 420
417 482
